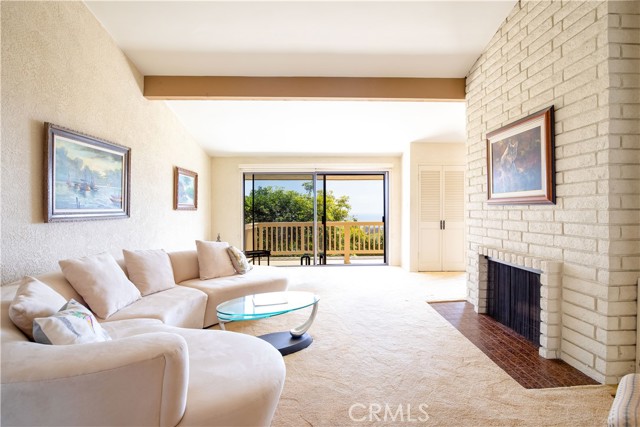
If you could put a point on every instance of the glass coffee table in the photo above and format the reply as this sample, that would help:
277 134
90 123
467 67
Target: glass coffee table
270 304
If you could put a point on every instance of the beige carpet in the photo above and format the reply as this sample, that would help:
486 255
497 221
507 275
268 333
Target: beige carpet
377 344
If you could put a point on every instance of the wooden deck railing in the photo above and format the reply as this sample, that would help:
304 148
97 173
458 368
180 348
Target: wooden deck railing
296 238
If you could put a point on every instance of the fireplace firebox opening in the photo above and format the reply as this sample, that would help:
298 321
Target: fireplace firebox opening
513 298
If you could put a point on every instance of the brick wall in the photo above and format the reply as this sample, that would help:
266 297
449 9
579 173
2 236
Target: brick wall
583 58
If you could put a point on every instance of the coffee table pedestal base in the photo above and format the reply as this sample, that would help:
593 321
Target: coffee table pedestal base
286 343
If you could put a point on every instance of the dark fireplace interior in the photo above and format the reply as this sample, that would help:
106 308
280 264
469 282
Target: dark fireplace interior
513 299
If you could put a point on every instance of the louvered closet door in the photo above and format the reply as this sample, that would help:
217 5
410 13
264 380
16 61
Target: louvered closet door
429 239
453 216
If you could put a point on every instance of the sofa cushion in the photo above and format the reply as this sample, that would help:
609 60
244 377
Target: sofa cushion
239 261
257 372
178 306
149 270
33 299
214 260
101 282
73 324
260 279
185 265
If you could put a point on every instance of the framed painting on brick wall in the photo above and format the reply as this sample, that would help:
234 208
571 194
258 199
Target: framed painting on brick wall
520 161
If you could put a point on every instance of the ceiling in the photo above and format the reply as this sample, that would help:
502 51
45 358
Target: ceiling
320 38
319 127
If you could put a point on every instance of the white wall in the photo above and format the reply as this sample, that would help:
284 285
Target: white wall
226 181
59 65
442 154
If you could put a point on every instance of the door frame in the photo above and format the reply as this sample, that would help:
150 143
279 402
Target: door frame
314 174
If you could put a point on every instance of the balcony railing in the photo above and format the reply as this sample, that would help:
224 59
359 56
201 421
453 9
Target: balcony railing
296 238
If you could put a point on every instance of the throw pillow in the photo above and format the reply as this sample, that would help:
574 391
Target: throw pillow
239 261
73 324
149 270
33 299
213 260
101 282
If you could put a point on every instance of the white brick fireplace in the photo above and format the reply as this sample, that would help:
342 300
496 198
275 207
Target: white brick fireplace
550 293
582 58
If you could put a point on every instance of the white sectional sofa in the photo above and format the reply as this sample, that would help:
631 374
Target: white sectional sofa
160 367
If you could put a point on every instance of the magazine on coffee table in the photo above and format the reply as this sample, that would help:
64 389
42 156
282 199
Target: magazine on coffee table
269 299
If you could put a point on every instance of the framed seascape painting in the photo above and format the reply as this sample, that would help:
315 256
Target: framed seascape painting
520 161
86 178
185 192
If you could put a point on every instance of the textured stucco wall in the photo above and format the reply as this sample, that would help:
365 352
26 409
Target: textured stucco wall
227 194
59 65
581 57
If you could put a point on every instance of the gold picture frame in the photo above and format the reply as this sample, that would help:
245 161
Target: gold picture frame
185 190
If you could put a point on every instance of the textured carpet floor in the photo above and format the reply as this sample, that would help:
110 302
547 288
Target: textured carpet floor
381 356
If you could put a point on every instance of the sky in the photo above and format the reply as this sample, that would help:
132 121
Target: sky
365 196
97 159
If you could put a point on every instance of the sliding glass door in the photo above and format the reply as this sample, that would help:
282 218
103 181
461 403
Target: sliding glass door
279 214
351 218
317 218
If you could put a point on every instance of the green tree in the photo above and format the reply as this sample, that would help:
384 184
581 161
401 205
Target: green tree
338 208
275 204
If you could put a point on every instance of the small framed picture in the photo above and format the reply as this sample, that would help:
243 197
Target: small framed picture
185 193
520 161
86 178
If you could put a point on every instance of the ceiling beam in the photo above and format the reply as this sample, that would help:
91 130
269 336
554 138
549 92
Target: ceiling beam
308 88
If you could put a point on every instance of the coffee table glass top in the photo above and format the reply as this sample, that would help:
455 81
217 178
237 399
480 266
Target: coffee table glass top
260 306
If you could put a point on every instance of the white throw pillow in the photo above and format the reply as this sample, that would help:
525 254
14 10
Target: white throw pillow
73 324
101 282
33 299
239 260
214 260
149 270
